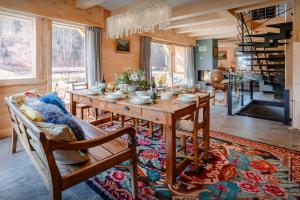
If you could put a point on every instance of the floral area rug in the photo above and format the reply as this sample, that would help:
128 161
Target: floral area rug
236 168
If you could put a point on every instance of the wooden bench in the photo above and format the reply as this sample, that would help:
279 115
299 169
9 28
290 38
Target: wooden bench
105 150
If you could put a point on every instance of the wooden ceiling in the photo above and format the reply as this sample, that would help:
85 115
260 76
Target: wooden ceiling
202 19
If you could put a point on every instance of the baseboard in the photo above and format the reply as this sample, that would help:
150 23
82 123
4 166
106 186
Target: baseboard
5 133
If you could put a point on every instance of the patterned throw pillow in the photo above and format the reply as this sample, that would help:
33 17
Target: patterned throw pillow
63 133
22 98
31 113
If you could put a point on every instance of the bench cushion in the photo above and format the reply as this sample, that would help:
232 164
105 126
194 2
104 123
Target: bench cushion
61 132
185 125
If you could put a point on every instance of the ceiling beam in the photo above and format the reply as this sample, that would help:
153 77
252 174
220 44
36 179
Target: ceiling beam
216 36
217 30
206 26
204 7
85 4
205 19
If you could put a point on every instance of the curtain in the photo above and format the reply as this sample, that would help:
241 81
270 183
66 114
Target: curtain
146 56
190 67
93 54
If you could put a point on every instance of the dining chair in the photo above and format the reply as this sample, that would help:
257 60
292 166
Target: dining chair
148 126
80 106
190 126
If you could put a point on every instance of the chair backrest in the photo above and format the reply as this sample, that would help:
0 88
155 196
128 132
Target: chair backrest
203 103
32 139
79 86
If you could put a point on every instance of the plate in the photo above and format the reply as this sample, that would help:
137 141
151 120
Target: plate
93 92
140 101
186 100
115 95
187 97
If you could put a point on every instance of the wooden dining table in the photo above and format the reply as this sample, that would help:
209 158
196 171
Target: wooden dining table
165 112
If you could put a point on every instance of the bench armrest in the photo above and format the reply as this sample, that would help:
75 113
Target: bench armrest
85 144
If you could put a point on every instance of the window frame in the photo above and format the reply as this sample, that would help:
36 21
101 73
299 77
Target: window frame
74 26
36 76
172 60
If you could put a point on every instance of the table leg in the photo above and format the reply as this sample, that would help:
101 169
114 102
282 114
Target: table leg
122 120
72 105
170 150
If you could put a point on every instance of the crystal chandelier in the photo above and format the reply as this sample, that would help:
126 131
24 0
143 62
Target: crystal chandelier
154 16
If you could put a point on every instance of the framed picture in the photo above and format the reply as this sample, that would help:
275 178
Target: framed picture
222 55
122 46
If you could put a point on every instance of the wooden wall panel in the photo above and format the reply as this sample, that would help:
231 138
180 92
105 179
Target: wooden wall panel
58 9
113 63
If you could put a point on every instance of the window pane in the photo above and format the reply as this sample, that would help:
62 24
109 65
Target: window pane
16 47
68 57
160 63
179 70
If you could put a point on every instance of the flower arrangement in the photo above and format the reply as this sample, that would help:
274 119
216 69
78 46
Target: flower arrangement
135 78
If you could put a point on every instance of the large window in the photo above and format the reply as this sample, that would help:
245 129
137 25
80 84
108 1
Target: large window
17 47
161 63
179 70
68 56
168 64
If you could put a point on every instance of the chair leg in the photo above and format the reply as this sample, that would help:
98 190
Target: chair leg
136 124
183 142
122 120
14 139
56 194
196 150
96 110
112 118
81 113
88 113
150 129
134 177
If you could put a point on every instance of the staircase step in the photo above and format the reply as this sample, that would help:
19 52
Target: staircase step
277 56
262 44
285 25
270 66
272 36
268 59
273 70
269 34
259 52
270 71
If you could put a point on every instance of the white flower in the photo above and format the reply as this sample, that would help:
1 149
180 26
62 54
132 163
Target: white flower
134 77
143 78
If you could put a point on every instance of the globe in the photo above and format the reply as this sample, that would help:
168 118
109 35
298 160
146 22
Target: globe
216 76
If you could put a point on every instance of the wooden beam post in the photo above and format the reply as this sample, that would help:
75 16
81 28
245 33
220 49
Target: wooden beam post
296 64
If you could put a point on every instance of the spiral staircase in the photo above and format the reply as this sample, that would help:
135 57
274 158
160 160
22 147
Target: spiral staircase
266 55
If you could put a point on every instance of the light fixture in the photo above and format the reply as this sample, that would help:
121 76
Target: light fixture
153 16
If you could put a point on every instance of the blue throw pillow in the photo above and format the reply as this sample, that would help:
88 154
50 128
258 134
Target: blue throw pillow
53 114
53 99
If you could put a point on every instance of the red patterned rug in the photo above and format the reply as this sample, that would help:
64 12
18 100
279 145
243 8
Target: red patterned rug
236 168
